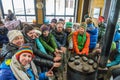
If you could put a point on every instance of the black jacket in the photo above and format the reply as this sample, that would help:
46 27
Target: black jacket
8 50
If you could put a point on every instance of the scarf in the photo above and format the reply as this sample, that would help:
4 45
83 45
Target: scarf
81 41
19 71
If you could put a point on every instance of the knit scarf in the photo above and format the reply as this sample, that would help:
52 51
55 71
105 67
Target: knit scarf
81 41
19 71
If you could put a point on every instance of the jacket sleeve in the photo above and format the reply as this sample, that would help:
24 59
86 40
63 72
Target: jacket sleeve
53 42
64 40
46 46
75 43
42 76
87 43
41 55
42 62
40 46
115 62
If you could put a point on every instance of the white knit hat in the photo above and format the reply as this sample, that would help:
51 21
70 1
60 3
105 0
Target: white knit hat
12 34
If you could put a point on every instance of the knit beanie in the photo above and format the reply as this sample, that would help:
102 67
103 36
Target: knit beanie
12 34
68 25
54 21
24 49
83 25
44 28
113 46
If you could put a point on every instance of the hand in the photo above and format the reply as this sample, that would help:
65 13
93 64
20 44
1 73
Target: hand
56 50
57 58
57 64
49 74
57 54
79 53
63 49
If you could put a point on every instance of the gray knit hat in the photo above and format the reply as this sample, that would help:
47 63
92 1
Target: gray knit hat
12 34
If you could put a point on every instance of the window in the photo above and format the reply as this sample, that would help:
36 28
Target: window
65 9
23 9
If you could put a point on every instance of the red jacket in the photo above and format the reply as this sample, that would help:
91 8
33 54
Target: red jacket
85 50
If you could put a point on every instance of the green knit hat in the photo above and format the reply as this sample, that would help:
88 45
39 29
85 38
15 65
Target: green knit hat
113 46
68 25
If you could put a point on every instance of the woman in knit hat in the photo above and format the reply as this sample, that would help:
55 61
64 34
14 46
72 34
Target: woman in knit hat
81 40
48 40
22 67
16 39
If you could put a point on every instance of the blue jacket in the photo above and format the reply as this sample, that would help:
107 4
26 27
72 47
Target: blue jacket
7 74
93 37
115 62
60 38
40 46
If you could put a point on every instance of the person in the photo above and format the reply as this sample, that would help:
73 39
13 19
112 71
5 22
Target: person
48 40
60 36
21 67
93 31
16 40
81 40
53 24
102 29
10 16
114 64
3 36
69 41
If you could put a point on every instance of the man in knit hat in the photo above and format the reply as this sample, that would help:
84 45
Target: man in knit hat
81 40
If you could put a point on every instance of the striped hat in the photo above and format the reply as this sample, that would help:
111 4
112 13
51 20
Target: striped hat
24 49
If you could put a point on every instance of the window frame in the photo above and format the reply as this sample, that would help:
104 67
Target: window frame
54 16
25 15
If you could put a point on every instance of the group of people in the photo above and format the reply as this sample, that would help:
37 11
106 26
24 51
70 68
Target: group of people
41 54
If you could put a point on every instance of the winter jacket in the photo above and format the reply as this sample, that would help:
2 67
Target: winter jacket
40 46
115 62
60 38
75 43
93 37
48 43
7 74
8 50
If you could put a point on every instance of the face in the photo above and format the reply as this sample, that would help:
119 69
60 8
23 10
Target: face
25 58
19 40
69 29
53 25
81 30
45 33
31 34
59 27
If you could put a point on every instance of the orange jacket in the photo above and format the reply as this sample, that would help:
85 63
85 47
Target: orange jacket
85 50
